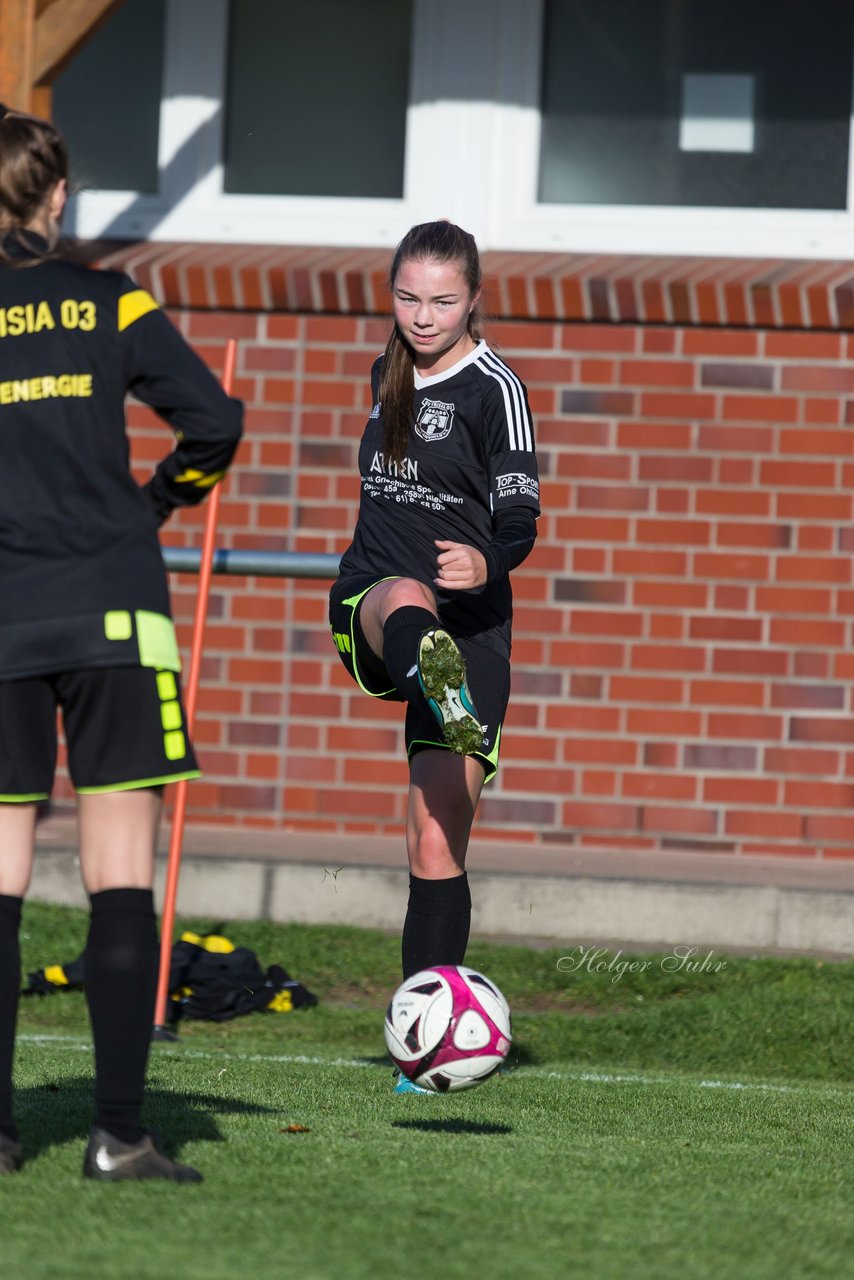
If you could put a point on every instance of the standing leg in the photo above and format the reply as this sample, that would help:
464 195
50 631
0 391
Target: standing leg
17 832
118 831
443 795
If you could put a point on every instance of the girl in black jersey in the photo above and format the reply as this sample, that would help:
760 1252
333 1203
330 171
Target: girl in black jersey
84 616
421 611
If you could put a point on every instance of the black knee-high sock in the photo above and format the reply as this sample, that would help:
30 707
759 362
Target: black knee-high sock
10 982
121 982
438 919
401 633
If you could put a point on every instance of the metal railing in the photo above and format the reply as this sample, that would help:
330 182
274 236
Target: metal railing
254 564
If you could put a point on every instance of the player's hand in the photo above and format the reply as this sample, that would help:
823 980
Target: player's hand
461 567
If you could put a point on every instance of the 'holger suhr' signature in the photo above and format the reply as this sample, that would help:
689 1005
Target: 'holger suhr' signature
681 959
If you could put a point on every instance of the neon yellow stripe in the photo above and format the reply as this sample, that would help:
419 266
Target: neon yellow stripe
37 795
199 479
56 974
138 783
134 305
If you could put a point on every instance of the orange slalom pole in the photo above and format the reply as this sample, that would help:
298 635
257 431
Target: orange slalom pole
191 691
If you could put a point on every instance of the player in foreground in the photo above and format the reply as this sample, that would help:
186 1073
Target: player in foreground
421 612
84 616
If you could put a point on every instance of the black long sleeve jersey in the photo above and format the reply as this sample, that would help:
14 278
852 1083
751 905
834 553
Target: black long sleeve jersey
469 470
82 580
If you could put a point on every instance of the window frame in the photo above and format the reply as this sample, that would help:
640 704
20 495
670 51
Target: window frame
473 118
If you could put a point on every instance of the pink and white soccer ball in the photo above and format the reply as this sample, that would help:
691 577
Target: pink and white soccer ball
448 1028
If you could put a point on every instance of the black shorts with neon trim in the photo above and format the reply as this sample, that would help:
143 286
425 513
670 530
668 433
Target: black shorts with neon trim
125 728
488 675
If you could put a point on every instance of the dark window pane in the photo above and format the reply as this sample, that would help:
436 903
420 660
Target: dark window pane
107 101
317 97
739 103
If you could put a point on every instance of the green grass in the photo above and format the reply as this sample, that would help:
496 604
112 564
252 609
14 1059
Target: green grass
666 1124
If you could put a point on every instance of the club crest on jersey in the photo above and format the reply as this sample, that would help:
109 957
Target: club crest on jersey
434 421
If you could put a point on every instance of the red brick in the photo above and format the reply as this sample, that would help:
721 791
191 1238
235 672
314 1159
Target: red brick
594 337
813 569
650 563
606 817
803 346
797 475
770 823
598 782
733 693
656 373
654 436
830 827
744 725
646 689
672 819
679 532
801 760
718 439
658 786
799 601
720 342
810 631
667 721
649 657
677 405
670 595
756 534
599 751
821 729
751 568
755 662
733 502
819 795
740 791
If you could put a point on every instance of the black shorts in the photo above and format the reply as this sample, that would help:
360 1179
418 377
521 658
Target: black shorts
488 675
125 728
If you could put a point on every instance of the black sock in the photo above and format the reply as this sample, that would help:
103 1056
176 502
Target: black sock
120 979
10 982
438 919
401 633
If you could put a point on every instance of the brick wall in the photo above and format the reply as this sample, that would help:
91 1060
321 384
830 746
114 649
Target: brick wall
683 666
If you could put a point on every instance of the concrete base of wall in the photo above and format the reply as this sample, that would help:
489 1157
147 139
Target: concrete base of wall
523 893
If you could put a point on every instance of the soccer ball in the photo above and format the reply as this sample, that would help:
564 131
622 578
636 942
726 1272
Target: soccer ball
447 1028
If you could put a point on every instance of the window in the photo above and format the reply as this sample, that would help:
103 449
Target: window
759 90
316 97
107 101
707 127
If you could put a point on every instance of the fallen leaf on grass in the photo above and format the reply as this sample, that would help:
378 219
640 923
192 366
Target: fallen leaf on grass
295 1128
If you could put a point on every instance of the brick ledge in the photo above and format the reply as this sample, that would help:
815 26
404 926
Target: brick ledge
731 292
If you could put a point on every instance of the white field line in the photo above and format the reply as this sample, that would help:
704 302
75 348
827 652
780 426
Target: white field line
584 1077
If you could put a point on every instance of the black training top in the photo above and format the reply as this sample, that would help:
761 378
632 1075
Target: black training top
469 475
82 581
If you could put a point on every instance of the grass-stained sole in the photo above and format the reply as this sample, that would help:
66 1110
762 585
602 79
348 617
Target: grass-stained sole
442 675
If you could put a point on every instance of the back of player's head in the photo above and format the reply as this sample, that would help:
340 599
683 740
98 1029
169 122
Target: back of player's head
441 241
33 159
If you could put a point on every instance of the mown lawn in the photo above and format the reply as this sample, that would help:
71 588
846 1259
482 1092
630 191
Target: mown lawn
657 1123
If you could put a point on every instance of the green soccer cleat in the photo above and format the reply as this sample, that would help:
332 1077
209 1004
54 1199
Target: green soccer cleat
108 1159
442 676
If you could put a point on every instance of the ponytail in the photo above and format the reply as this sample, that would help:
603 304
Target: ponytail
434 242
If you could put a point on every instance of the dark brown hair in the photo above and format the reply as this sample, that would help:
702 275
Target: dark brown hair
428 242
33 159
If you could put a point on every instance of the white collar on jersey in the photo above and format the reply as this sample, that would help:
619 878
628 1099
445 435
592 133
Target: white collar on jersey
449 373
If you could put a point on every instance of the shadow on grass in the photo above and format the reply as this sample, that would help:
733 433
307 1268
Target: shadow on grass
451 1126
49 1115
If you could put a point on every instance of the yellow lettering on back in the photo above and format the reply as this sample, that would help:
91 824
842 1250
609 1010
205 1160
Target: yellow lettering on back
44 318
